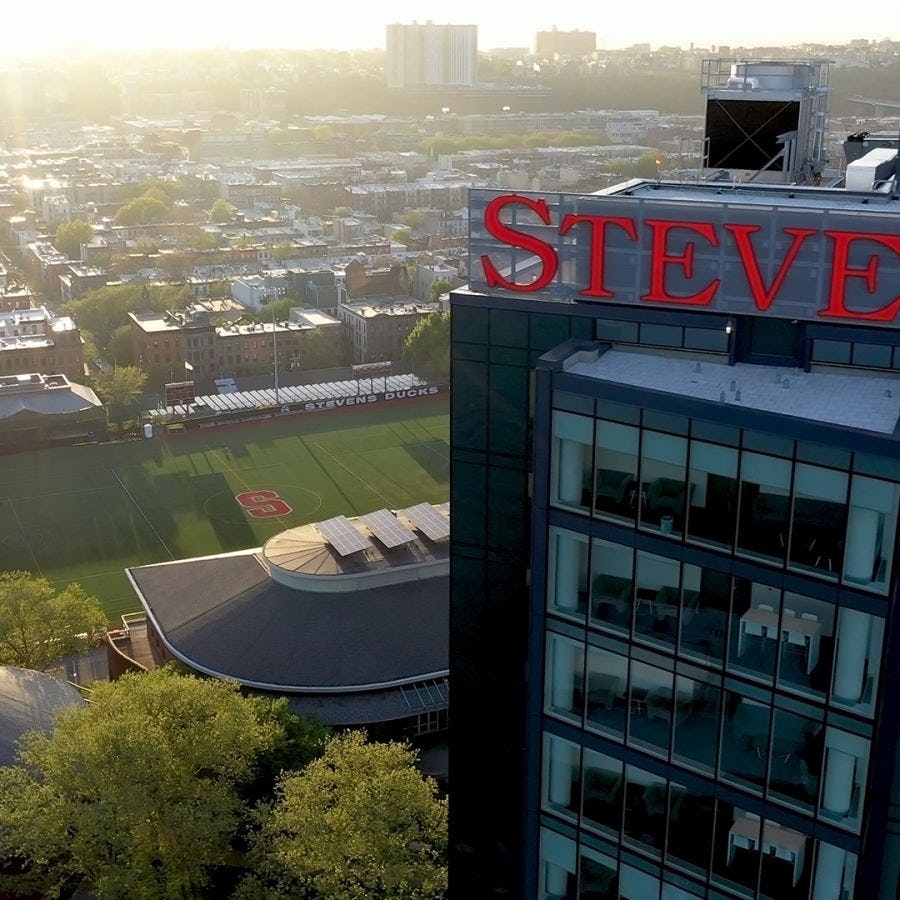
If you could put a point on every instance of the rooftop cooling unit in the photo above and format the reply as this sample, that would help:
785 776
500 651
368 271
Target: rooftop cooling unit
766 117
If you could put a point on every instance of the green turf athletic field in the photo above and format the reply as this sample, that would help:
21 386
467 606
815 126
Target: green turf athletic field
85 513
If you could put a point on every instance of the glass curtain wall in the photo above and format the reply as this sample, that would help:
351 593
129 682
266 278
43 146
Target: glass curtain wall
616 492
567 591
764 507
573 444
712 510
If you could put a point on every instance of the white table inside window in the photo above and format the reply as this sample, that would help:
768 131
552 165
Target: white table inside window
803 633
795 630
782 843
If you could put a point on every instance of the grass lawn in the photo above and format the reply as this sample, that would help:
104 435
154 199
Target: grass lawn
85 513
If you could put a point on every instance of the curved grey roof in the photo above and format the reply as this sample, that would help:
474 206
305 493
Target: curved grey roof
28 701
52 400
225 616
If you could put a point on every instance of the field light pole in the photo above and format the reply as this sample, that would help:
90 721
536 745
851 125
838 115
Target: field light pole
275 355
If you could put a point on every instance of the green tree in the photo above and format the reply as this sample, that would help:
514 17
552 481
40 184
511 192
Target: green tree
413 219
177 264
196 237
322 349
221 212
402 235
135 794
441 286
119 387
165 189
298 741
429 342
279 308
70 236
144 210
102 311
39 623
121 348
358 823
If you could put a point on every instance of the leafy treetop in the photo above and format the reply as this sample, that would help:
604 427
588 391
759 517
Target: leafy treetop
358 823
429 341
137 793
39 623
71 235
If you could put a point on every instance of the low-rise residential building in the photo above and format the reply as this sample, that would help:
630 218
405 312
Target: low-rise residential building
247 194
384 281
255 291
45 264
55 210
16 296
165 344
79 279
377 328
35 340
428 275
318 288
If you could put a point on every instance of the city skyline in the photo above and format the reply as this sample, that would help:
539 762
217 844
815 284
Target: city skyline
55 27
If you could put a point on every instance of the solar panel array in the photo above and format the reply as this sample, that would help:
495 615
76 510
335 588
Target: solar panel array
434 692
301 393
343 536
428 520
384 525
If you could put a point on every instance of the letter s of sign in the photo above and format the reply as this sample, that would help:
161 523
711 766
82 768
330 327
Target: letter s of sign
502 232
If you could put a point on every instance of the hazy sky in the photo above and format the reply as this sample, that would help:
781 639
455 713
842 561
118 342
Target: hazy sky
50 25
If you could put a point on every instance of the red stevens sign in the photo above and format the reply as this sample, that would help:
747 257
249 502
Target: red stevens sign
668 265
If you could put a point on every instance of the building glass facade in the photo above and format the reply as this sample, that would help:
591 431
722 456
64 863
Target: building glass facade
672 630
707 609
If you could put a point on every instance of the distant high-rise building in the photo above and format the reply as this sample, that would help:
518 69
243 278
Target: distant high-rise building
565 43
431 55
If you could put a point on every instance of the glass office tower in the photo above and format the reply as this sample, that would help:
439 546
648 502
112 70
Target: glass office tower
675 547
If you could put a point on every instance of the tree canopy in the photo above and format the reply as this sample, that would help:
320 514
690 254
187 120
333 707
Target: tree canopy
102 311
148 209
136 793
429 342
298 740
119 386
39 623
221 211
319 349
70 236
358 823
441 286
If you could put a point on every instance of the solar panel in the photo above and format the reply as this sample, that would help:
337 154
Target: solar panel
387 529
342 535
428 520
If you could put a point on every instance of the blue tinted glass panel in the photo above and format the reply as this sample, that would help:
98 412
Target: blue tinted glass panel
614 330
877 356
837 352
712 339
661 335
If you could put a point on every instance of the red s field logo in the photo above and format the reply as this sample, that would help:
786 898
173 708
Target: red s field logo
263 504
